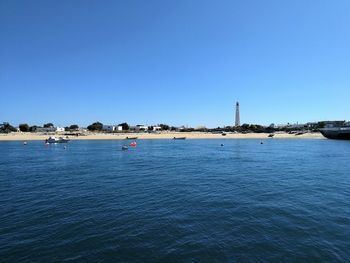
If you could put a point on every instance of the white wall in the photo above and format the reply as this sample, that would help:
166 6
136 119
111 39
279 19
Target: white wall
108 127
60 129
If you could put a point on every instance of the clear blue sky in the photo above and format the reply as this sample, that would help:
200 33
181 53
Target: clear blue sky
176 62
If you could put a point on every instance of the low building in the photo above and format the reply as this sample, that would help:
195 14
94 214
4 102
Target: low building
139 128
157 128
109 128
49 129
142 127
119 128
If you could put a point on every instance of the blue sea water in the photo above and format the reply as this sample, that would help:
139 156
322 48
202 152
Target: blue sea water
175 201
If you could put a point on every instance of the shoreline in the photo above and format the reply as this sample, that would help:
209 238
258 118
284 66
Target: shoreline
161 135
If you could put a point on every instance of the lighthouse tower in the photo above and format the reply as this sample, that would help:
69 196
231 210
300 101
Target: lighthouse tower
237 121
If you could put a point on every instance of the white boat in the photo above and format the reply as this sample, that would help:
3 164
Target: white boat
53 139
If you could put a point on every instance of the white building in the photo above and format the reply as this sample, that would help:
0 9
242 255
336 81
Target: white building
108 127
119 128
139 128
49 129
157 128
59 129
142 127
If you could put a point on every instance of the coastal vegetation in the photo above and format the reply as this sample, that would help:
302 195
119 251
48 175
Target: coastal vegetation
24 127
33 128
96 126
6 128
73 127
164 127
48 125
125 127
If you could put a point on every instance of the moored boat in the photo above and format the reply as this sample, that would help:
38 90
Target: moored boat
179 138
130 138
53 139
339 133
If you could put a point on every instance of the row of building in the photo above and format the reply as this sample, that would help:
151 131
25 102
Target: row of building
108 128
49 129
112 128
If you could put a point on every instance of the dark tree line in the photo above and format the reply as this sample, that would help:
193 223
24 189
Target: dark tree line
6 128
73 127
96 126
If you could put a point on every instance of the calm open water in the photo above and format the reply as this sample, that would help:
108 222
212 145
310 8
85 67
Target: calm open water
175 201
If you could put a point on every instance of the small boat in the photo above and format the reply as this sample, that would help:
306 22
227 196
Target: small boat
133 144
124 147
53 139
223 134
179 138
130 138
271 135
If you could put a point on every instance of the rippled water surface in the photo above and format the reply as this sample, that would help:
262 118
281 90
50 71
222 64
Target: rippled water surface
175 201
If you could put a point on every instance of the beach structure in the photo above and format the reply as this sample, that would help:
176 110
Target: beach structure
108 127
237 120
142 127
49 129
139 128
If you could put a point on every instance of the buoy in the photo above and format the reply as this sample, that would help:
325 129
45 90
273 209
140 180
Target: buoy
24 143
64 147
222 144
261 143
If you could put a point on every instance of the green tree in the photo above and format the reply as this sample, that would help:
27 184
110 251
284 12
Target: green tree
33 128
253 127
6 128
96 126
245 126
48 125
164 127
24 127
74 127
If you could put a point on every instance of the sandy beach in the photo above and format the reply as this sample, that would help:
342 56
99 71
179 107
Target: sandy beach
18 136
